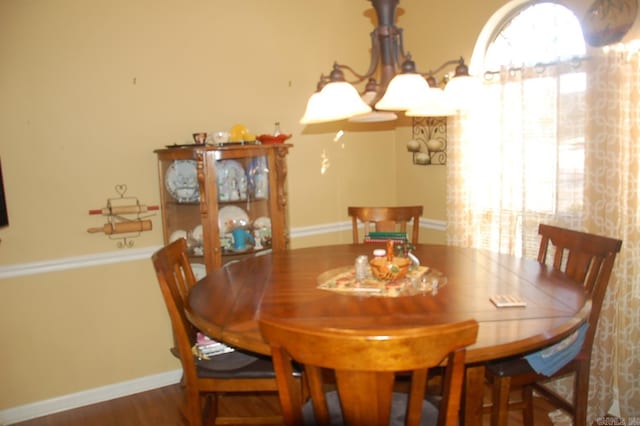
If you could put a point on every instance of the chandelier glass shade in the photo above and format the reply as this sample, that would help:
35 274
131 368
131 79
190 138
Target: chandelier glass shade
405 91
336 101
400 86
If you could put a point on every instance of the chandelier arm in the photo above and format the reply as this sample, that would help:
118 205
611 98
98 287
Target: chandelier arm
359 77
401 55
441 67
375 55
373 65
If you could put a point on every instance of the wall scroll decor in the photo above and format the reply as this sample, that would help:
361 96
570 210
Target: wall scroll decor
429 141
124 218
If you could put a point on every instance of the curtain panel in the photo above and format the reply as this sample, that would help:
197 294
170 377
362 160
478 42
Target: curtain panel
558 145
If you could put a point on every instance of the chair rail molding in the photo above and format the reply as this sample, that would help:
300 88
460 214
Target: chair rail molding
144 253
75 262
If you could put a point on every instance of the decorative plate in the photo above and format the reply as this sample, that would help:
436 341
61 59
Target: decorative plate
196 234
230 217
176 235
181 181
273 139
232 181
199 270
258 173
262 222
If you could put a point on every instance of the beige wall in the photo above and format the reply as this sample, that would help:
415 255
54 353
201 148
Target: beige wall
89 89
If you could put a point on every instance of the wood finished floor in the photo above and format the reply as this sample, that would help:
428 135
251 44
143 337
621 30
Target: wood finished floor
159 407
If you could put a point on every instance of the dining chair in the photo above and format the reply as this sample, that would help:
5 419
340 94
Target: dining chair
364 364
203 380
587 259
386 219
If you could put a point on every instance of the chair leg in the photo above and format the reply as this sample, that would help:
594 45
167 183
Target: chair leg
527 409
193 407
500 401
209 409
581 393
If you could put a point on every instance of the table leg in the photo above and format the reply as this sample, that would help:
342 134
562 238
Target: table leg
473 395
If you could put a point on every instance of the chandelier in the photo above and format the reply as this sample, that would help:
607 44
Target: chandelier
400 87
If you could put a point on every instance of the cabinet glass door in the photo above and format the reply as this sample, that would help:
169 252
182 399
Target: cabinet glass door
244 217
180 199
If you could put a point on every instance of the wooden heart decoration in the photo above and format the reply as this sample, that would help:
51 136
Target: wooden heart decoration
121 189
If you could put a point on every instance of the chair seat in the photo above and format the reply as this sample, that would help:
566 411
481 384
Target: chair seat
546 362
509 367
398 409
235 365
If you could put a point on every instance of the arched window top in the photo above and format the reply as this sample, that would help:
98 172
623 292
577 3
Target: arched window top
535 33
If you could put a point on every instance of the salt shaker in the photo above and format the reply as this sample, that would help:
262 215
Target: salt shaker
362 267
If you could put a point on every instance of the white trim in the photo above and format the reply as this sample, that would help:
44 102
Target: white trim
436 225
324 228
75 262
87 397
128 255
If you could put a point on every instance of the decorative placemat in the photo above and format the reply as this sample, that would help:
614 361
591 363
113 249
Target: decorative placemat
419 280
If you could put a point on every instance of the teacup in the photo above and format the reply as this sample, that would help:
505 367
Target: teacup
200 138
220 137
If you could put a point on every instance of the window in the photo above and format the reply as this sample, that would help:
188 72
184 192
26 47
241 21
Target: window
543 103
540 33
524 153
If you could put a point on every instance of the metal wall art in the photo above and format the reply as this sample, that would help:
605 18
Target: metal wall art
429 141
124 218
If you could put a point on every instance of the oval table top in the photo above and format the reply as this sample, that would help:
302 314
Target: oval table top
227 303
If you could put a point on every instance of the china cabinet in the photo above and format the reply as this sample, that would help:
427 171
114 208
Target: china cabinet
229 201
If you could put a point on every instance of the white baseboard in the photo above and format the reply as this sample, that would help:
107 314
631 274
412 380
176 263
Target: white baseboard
88 397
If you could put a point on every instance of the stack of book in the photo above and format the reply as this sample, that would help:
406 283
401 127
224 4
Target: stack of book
206 347
382 237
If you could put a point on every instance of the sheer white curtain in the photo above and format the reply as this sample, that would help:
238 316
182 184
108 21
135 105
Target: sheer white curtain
559 145
517 160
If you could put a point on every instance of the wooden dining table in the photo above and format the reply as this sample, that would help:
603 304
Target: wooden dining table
227 303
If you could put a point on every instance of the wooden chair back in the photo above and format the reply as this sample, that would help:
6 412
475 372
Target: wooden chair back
176 278
386 219
365 364
585 258
200 380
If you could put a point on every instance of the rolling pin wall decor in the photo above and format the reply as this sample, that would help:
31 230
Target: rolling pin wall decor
125 218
